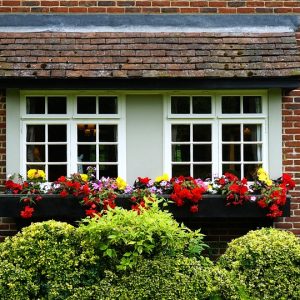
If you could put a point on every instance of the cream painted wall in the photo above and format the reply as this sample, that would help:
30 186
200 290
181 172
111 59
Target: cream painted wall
144 129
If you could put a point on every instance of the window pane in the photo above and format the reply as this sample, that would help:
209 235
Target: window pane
86 105
252 104
55 171
180 105
202 152
108 153
86 132
181 153
202 171
231 152
57 153
82 169
35 133
250 171
252 132
108 105
108 171
35 105
201 105
178 170
57 133
231 132
180 133
231 105
202 133
86 153
35 153
252 152
232 168
57 105
108 133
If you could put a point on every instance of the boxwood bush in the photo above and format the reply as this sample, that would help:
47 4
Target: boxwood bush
266 262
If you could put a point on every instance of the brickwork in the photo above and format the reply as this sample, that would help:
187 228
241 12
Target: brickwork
153 6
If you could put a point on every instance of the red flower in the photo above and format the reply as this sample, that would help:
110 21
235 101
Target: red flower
27 212
262 203
144 180
63 193
62 179
194 209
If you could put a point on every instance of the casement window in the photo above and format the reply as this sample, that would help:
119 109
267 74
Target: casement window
208 135
64 134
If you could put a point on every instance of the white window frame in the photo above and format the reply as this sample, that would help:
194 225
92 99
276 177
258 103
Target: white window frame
71 118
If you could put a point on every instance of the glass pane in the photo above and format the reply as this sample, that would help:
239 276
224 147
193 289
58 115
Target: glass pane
108 105
108 153
180 170
202 152
202 171
86 105
57 153
55 171
232 168
108 133
250 171
231 152
35 105
252 152
202 133
231 132
108 171
35 153
180 105
231 105
86 153
35 133
57 133
252 132
86 132
252 104
181 153
180 133
57 105
201 105
82 169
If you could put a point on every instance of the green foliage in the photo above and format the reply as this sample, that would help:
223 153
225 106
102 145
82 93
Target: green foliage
266 262
122 237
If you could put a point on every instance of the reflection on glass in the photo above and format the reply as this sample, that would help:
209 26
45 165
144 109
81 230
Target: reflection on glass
252 152
86 153
86 132
57 153
178 170
108 153
108 133
231 132
57 105
201 105
86 105
35 153
108 171
180 105
181 153
252 132
57 133
35 133
83 169
202 133
231 152
35 105
252 104
250 171
55 171
232 168
202 152
108 105
231 105
202 171
180 133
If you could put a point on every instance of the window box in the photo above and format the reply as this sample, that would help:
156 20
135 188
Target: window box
69 208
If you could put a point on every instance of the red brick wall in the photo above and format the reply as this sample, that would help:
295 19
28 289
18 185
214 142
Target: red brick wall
153 6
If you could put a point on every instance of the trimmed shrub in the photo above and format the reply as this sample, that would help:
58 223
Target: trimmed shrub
266 262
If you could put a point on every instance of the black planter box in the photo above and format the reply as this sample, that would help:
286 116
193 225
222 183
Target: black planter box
55 207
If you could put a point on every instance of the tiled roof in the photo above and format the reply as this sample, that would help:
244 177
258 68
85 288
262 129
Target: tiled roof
122 55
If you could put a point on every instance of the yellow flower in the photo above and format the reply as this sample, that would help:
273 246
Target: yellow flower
84 177
164 177
36 174
269 182
41 174
31 173
121 183
262 177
